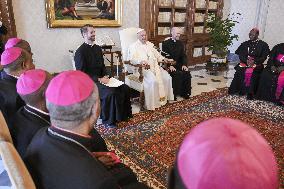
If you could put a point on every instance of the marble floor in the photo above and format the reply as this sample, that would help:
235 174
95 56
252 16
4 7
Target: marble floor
205 79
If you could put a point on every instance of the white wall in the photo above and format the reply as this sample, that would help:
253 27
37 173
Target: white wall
248 10
50 46
273 33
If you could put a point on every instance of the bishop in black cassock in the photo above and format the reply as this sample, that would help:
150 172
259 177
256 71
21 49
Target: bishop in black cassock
65 155
271 85
252 54
15 61
181 78
3 31
31 86
115 101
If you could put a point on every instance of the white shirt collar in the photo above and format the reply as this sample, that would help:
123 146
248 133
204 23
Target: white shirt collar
12 75
45 113
91 44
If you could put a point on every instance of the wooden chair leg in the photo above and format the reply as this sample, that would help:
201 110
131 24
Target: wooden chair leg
142 101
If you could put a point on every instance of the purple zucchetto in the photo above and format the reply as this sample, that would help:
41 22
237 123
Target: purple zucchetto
69 87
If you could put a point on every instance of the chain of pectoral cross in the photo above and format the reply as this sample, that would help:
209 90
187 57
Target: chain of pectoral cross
252 47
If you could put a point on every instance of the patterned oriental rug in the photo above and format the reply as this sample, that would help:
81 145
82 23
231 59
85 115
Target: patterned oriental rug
149 141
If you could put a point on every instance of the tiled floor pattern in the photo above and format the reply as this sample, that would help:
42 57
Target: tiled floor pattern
205 79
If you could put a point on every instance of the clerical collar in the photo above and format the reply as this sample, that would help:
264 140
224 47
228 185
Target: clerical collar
70 132
255 41
36 109
52 131
38 113
12 75
174 39
91 44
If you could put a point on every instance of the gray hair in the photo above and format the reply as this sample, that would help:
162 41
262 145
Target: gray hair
71 116
17 64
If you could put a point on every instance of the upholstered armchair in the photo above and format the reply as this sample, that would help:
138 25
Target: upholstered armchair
133 79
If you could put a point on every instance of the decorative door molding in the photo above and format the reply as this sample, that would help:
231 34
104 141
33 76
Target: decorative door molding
261 16
7 18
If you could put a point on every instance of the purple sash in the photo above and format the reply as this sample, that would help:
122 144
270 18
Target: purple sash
248 74
280 85
280 58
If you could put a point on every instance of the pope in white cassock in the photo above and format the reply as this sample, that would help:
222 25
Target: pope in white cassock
157 82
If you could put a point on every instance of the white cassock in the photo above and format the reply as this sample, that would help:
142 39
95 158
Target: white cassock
157 82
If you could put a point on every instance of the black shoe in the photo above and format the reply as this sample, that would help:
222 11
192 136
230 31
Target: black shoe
249 96
110 126
186 96
79 18
279 103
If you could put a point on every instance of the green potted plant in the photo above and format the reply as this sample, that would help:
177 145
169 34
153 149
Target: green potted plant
220 36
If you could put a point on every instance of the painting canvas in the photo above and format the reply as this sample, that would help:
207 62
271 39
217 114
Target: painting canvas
76 13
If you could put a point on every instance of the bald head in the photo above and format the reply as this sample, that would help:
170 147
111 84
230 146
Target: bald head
253 34
176 32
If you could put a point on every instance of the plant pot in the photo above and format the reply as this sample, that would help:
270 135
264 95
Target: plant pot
218 59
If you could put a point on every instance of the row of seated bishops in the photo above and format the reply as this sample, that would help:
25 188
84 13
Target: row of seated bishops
54 134
252 78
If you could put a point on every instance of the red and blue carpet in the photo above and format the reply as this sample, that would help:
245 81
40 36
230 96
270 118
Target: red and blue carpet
149 141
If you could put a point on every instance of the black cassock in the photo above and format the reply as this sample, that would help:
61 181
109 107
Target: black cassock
3 31
58 159
115 102
10 101
269 77
181 79
259 50
24 125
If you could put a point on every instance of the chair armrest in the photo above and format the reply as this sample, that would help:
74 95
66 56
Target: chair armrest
140 68
168 63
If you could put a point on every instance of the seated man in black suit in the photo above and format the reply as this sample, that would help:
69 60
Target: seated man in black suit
181 78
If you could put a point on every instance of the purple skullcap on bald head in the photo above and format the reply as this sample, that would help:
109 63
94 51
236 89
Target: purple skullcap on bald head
30 81
225 153
10 55
69 87
12 42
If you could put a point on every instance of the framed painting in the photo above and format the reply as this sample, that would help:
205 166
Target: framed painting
76 13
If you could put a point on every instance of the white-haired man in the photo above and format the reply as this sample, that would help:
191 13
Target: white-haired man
174 48
157 82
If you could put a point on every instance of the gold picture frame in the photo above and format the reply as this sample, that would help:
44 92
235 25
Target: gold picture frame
76 13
